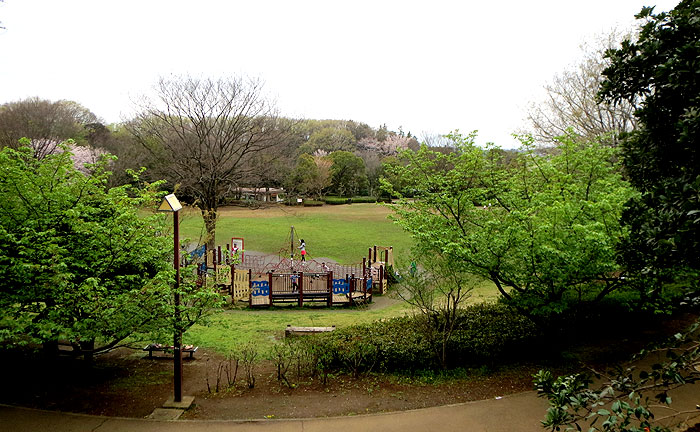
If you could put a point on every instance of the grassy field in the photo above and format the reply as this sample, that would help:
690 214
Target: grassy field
235 328
232 329
342 233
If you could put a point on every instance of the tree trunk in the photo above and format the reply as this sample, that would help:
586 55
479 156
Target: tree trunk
50 348
87 348
209 216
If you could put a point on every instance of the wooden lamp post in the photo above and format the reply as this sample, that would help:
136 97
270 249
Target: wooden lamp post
172 205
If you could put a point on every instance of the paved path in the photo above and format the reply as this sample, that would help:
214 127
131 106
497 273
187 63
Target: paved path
521 413
516 413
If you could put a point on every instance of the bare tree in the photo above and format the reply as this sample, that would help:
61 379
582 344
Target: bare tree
44 122
438 293
571 99
273 166
390 146
323 180
439 142
205 132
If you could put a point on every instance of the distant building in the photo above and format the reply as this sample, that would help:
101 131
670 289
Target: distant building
260 194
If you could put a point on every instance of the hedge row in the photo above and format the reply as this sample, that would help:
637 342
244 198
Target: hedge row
355 200
336 200
485 333
364 199
312 203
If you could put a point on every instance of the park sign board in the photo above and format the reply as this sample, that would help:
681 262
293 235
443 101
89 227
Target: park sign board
170 204
237 247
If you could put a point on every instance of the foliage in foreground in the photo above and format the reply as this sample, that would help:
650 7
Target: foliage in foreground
78 262
661 160
483 333
543 228
627 398
486 334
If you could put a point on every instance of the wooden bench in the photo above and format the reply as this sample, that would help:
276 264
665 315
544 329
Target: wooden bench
299 331
164 348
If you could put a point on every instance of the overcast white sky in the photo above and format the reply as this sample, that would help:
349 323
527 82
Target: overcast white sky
427 66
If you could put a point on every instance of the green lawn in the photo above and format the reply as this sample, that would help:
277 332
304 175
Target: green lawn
235 328
343 233
232 329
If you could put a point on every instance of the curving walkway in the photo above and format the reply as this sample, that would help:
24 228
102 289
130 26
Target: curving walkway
516 413
521 413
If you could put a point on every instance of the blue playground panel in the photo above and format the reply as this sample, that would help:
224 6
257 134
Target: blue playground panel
341 286
260 288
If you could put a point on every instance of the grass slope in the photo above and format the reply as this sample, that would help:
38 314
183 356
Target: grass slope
342 233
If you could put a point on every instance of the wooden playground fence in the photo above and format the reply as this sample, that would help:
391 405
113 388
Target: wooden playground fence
309 287
249 278
240 288
381 254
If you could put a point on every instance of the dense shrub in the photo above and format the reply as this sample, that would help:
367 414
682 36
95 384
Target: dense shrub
491 333
358 199
312 203
486 333
337 200
390 345
364 199
291 202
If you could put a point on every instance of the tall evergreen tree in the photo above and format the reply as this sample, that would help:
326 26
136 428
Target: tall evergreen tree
662 156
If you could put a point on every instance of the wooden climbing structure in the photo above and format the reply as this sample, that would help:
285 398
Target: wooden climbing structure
264 280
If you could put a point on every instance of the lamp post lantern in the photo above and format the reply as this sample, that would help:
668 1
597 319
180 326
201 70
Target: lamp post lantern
172 205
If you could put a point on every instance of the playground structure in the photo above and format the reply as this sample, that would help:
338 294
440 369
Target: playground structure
264 280
309 287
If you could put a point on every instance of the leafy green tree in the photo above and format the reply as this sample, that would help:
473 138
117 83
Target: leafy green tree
543 229
360 130
661 157
118 141
329 139
374 168
438 293
348 174
307 128
309 177
83 262
382 133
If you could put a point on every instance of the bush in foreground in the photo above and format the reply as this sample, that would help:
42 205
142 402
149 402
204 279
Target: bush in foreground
486 333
